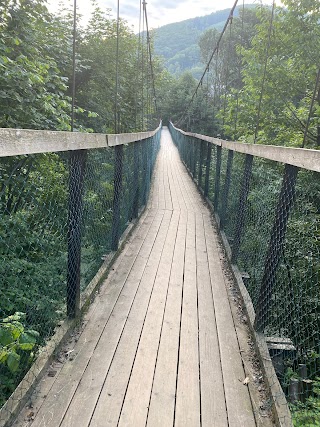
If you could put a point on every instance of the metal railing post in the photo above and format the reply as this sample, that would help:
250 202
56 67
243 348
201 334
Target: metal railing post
135 210
208 164
226 188
194 162
201 161
117 195
144 155
190 148
77 164
244 191
217 179
148 142
276 242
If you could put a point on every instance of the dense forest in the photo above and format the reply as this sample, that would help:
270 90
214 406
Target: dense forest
258 88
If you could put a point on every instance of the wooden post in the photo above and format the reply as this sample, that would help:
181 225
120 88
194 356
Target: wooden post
226 188
303 374
208 164
293 390
275 248
117 195
217 179
77 163
194 162
242 206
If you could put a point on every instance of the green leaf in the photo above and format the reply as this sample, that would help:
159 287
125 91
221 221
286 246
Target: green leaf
28 340
5 336
13 361
18 315
92 114
3 355
26 346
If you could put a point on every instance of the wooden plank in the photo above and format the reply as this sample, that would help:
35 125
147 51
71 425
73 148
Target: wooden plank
53 409
136 402
127 138
216 141
14 142
153 202
169 202
213 404
177 196
239 407
188 190
162 204
301 157
180 174
187 187
187 411
162 403
110 363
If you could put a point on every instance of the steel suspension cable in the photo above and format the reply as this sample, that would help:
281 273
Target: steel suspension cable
227 76
137 74
316 88
116 95
74 63
142 71
264 72
239 71
150 56
215 50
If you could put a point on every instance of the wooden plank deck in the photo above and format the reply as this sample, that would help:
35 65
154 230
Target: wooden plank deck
160 346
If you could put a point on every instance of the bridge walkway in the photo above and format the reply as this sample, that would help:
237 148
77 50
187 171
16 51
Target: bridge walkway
159 345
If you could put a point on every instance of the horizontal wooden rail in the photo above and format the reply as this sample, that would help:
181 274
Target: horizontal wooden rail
300 157
14 142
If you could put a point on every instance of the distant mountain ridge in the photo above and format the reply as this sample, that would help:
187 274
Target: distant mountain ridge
177 43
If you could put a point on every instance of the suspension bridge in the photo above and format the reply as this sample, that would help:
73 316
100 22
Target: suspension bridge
162 277
159 346
174 336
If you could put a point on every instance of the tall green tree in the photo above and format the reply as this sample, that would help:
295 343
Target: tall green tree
279 74
32 87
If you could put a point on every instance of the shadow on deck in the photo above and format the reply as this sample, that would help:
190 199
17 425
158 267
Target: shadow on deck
161 345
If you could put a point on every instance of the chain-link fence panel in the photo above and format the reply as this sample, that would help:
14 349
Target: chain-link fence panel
97 212
61 215
33 246
236 170
258 216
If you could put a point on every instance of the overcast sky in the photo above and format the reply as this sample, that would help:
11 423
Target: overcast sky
160 12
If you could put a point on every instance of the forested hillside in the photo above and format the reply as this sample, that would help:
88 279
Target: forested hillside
178 43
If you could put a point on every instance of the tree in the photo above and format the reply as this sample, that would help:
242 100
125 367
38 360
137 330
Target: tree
32 93
279 73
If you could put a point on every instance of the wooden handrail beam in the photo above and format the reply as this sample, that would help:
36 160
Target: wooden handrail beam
301 157
14 142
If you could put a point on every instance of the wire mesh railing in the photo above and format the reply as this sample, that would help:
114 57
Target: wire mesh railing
269 214
62 217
